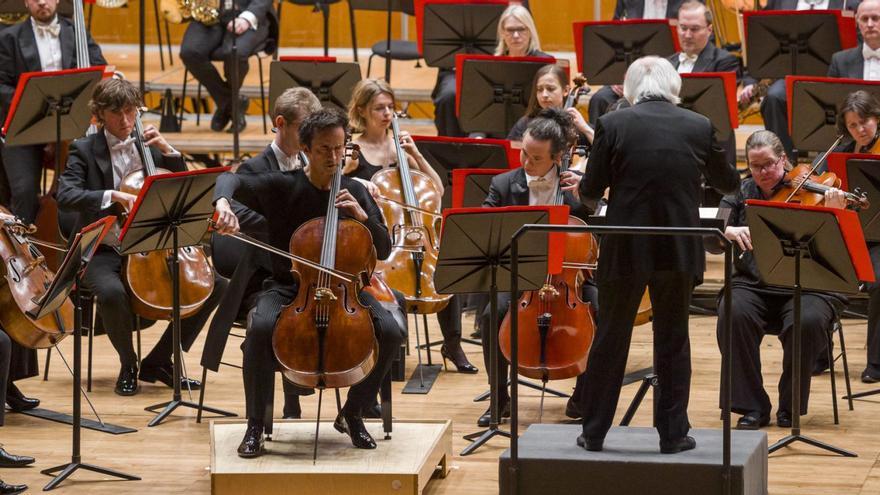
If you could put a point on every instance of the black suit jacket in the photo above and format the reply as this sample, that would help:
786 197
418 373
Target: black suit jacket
652 156
792 4
635 9
848 63
264 11
19 54
713 59
512 189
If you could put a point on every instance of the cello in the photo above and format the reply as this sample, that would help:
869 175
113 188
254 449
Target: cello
147 276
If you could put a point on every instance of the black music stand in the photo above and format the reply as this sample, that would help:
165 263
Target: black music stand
786 43
492 93
863 177
172 211
447 29
713 95
332 82
69 278
474 246
605 49
813 106
806 248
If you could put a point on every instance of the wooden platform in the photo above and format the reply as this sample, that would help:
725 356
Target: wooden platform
404 464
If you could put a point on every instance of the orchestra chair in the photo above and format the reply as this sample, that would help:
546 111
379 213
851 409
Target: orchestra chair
837 327
323 6
400 49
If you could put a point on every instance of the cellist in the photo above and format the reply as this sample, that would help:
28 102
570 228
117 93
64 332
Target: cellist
287 200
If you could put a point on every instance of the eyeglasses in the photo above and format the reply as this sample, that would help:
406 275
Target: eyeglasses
514 31
765 168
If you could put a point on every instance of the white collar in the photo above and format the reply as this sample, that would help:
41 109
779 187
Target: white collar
548 176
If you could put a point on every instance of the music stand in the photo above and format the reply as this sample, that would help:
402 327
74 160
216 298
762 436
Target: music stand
605 49
69 278
172 211
470 186
449 27
807 248
474 246
492 93
860 173
781 43
713 95
331 81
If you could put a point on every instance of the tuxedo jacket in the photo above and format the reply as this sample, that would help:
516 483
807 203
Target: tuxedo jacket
511 189
19 54
847 63
713 59
832 4
635 9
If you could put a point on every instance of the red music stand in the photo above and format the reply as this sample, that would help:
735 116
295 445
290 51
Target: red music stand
713 95
470 186
331 81
860 174
605 49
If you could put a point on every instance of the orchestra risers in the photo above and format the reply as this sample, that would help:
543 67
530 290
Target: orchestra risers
631 463
404 464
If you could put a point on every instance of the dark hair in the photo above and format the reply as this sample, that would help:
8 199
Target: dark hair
114 95
862 104
554 70
555 125
323 119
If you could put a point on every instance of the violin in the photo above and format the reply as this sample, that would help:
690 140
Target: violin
411 206
578 159
147 276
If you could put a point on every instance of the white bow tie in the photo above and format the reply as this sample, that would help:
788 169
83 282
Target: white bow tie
49 29
682 57
868 53
539 184
123 145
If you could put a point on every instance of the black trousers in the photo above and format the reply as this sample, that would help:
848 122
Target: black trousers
24 166
5 360
755 314
444 105
874 313
619 300
201 44
103 277
259 363
774 110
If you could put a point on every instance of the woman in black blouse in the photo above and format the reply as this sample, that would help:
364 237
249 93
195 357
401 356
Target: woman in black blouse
549 91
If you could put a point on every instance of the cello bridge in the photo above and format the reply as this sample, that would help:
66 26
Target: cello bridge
324 294
34 264
547 291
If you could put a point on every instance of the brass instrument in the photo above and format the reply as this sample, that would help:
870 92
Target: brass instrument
175 11
206 12
10 19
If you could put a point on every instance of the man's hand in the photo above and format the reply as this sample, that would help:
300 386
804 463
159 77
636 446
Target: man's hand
226 222
238 26
371 188
123 198
739 235
746 94
618 90
346 202
152 137
570 181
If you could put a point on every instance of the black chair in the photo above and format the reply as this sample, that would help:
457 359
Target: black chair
837 328
323 6
398 49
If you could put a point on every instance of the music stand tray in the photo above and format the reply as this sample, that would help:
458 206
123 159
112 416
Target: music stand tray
713 95
449 27
860 173
172 211
492 93
605 49
807 248
813 103
331 81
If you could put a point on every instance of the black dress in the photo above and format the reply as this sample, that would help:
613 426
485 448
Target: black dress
366 170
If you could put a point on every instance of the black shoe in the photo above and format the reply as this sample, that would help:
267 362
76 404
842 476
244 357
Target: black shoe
486 418
240 120
752 421
591 444
572 410
165 374
292 409
676 446
353 426
127 383
17 401
220 119
455 354
252 443
6 489
783 419
8 460
372 412
870 376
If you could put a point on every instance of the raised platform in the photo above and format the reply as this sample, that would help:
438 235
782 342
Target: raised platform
631 463
402 465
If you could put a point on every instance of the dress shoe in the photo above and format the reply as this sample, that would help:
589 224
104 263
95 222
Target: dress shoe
486 418
353 426
165 374
8 460
870 376
752 421
220 119
572 410
591 444
676 446
454 353
240 120
783 419
252 443
17 401
6 489
127 383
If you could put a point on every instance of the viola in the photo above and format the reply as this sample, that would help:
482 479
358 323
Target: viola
578 160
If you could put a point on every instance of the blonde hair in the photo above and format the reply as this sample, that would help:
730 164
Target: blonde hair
295 104
364 92
521 14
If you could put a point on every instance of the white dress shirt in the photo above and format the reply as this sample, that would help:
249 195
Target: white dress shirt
871 72
125 159
48 43
686 63
245 14
286 163
542 190
812 5
655 9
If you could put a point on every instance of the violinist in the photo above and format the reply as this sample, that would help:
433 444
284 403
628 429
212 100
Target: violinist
549 91
95 168
45 42
758 309
287 200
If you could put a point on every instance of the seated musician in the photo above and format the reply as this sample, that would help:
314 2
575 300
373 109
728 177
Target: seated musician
549 91
250 23
45 42
288 200
758 309
95 168
517 37
646 9
545 140
862 61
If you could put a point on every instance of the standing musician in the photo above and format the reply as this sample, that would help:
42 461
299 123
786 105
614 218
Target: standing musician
370 112
95 168
863 61
251 23
288 200
651 156
546 139
758 309
45 42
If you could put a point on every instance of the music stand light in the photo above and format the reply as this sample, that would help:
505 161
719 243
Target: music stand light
605 49
449 27
332 82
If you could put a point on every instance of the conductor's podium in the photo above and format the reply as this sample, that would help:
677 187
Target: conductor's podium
402 465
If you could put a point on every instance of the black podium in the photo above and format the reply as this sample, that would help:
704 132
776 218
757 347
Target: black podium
449 27
331 81
807 248
605 49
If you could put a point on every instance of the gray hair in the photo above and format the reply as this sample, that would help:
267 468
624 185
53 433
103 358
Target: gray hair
651 77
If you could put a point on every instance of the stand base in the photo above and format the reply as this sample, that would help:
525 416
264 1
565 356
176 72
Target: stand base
85 423
422 379
525 383
480 438
862 394
170 406
70 468
648 382
797 437
440 342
